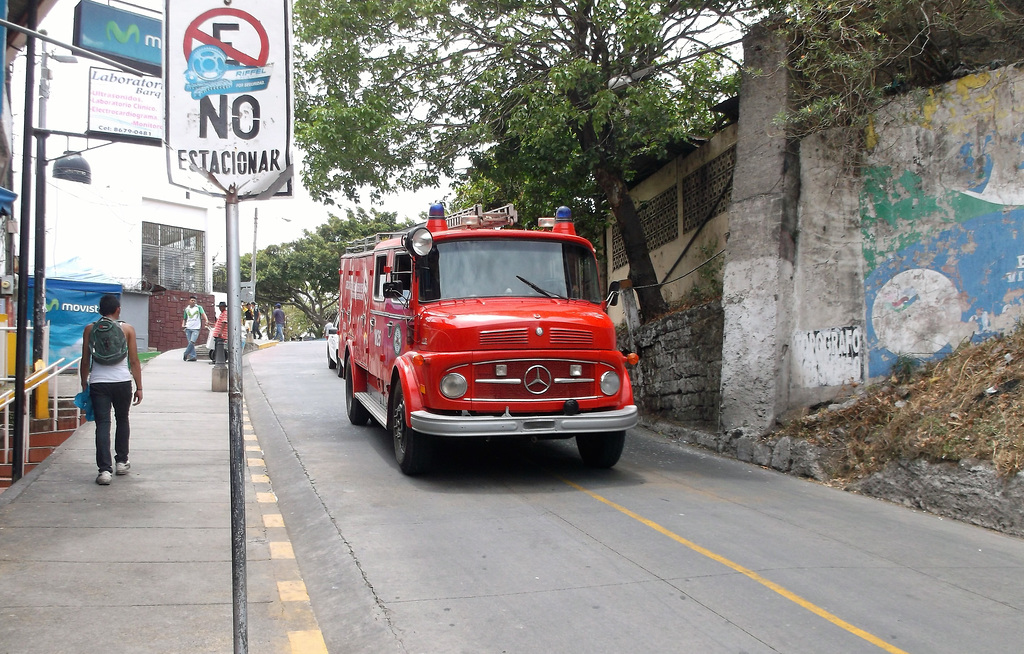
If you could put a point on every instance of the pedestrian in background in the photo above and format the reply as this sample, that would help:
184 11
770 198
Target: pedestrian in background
247 319
192 321
110 362
279 321
256 315
220 331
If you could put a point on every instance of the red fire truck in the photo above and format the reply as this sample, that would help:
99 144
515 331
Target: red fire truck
469 327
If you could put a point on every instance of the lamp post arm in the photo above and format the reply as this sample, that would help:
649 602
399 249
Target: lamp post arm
73 48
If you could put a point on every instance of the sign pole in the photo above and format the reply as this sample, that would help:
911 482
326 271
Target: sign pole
237 449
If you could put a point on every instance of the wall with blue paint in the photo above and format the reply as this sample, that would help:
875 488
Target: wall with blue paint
942 219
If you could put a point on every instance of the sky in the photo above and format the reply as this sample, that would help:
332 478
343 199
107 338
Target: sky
142 170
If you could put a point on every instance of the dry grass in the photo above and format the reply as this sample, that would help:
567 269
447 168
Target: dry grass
970 405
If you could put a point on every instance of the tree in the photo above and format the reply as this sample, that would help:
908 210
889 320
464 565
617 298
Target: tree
555 95
303 274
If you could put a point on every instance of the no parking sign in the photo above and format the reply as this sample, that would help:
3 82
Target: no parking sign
227 81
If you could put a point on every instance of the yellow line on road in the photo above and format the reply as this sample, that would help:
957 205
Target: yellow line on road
791 596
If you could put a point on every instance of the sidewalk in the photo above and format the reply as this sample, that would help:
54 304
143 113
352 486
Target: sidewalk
144 564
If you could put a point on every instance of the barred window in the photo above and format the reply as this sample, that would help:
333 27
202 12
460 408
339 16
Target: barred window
174 257
707 192
659 218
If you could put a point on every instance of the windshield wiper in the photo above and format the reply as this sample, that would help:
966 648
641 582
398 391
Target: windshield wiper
540 290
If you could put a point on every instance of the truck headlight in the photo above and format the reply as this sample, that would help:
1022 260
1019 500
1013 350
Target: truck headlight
453 386
610 383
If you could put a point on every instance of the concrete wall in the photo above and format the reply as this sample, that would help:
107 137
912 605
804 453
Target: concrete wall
848 249
757 295
674 260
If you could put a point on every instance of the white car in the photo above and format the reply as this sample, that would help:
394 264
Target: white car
331 333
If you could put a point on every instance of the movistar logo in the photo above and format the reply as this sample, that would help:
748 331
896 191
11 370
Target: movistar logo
114 32
52 304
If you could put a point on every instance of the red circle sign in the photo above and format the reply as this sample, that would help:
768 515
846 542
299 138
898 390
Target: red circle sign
193 33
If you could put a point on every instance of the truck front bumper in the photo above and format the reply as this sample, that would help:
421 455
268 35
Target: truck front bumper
512 426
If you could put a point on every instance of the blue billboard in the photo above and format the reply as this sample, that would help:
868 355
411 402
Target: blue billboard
130 38
70 306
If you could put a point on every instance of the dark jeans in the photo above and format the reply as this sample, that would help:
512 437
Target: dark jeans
116 395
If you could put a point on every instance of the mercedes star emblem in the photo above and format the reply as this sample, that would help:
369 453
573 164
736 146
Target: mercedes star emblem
538 380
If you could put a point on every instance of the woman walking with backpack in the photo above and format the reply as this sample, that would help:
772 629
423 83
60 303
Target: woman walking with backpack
110 362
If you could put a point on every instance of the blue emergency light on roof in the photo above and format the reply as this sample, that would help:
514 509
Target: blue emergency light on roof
563 221
435 218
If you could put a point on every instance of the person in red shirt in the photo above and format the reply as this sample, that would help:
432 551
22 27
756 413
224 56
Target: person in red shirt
220 331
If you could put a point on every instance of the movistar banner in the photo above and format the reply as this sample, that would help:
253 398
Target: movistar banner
123 36
70 306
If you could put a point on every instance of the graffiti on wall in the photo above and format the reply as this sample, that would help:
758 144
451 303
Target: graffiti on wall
942 220
827 357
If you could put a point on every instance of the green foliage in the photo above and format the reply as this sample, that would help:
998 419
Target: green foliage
303 275
549 103
849 55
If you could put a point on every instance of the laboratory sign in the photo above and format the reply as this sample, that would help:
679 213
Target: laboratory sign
227 81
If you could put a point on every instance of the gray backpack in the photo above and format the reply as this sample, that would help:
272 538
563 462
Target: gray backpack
107 342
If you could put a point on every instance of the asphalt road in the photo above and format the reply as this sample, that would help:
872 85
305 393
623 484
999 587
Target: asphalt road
519 548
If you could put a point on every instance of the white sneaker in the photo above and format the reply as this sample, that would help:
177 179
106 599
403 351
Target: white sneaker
103 479
122 468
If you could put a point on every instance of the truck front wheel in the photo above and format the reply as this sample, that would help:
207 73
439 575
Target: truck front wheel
601 450
357 413
413 450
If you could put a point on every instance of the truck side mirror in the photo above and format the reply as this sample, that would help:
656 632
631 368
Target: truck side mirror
613 294
393 290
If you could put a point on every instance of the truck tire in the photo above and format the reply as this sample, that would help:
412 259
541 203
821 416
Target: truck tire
331 363
357 413
413 450
601 450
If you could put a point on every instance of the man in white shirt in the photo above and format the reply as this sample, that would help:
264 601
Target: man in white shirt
191 322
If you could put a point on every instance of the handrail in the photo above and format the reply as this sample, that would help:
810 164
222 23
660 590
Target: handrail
37 379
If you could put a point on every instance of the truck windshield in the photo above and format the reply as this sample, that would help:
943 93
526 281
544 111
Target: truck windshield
493 268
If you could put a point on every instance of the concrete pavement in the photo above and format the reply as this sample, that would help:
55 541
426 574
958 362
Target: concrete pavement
144 564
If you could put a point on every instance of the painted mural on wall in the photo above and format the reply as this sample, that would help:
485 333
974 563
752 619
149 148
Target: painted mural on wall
942 219
827 357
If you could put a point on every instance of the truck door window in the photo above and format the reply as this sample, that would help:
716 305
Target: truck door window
402 272
380 268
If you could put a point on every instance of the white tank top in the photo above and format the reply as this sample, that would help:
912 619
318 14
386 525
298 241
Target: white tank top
119 372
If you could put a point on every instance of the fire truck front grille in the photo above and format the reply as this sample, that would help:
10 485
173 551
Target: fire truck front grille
573 337
516 336
535 380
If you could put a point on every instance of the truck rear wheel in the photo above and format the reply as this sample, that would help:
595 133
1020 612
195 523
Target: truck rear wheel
601 450
413 450
357 413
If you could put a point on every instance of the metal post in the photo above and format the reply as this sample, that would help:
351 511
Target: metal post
18 445
39 276
237 450
252 268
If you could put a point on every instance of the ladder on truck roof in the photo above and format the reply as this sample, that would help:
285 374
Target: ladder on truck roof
505 215
368 243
